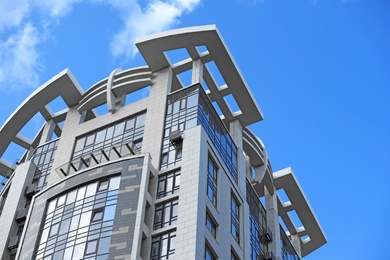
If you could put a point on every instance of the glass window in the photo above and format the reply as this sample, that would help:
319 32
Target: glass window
235 257
208 255
103 185
163 246
235 219
69 220
168 184
91 247
97 215
212 181
211 225
119 135
165 214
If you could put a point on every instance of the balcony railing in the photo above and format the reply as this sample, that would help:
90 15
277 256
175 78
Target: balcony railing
97 157
288 251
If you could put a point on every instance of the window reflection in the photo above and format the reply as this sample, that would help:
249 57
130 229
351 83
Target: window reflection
78 224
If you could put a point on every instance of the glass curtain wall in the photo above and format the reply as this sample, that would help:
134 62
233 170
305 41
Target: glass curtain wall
258 224
78 224
190 107
43 158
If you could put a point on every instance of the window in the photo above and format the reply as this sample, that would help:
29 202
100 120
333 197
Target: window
211 225
97 215
208 254
121 133
163 246
234 255
235 219
168 184
212 182
81 219
165 214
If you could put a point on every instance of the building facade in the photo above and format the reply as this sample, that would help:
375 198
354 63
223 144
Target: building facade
171 170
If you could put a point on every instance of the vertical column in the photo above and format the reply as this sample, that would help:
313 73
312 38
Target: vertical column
296 242
15 201
273 223
155 114
197 71
48 131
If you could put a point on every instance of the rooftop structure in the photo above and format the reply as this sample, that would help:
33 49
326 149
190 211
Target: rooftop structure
176 173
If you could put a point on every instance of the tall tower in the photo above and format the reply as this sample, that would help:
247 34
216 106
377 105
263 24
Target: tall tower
175 172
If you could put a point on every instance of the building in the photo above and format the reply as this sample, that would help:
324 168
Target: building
164 175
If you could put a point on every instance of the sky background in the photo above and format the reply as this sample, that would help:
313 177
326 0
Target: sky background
319 69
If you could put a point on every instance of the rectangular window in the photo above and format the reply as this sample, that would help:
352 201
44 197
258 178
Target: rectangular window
163 246
168 184
165 214
212 181
211 225
208 254
235 219
234 255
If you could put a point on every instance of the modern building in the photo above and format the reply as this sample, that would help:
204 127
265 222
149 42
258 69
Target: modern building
170 170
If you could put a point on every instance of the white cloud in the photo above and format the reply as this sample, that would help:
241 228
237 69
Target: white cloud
18 54
56 8
20 67
12 12
157 16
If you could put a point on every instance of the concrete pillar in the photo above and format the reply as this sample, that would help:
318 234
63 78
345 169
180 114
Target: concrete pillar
16 200
155 115
48 131
197 72
273 223
296 242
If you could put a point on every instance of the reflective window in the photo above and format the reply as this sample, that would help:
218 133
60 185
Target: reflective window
168 184
208 254
212 182
188 108
165 214
182 113
211 225
258 224
118 135
235 219
43 158
78 224
163 246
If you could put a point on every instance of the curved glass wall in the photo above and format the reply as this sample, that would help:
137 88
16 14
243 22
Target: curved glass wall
79 223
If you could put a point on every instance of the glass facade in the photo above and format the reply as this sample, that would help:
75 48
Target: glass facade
168 183
128 131
181 114
163 246
165 214
235 219
208 254
190 107
43 158
212 182
211 225
288 251
258 224
78 224
121 139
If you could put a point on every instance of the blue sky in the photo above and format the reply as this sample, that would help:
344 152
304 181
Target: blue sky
319 69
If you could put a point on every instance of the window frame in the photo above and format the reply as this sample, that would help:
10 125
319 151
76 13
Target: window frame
212 181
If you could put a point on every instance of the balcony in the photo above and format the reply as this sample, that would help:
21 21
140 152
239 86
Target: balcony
97 157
